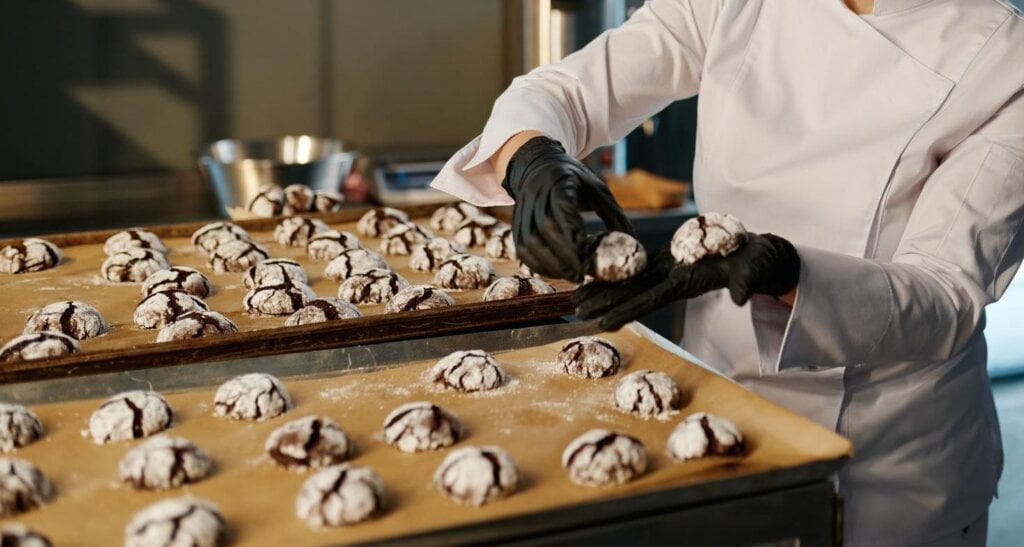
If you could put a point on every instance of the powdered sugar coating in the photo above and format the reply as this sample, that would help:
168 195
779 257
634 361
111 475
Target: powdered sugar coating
214 234
463 272
475 232
339 496
284 298
710 234
185 522
31 255
401 238
372 287
648 394
618 257
197 324
23 487
327 202
268 202
133 265
19 427
321 310
310 442
419 297
516 286
328 244
133 238
130 415
237 256
274 271
296 231
164 307
38 345
164 462
18 535
604 458
377 221
473 370
352 262
425 257
501 245
477 475
253 396
421 426
180 278
447 218
71 317
298 198
702 434
589 357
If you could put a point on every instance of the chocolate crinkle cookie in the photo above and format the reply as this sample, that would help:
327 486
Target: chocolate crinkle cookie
711 234
421 426
23 487
327 245
589 357
648 394
401 239
215 234
352 262
701 435
253 396
340 495
71 317
274 271
310 442
196 324
18 535
617 257
419 297
130 415
372 287
427 256
322 310
164 307
31 255
473 370
477 475
284 298
298 198
475 232
237 256
327 202
19 427
133 265
268 202
516 286
377 221
296 231
164 462
603 458
180 278
176 522
464 272
133 238
501 245
447 218
38 345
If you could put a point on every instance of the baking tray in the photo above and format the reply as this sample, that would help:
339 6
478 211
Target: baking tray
128 347
533 417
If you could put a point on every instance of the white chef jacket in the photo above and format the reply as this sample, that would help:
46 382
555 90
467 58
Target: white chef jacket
889 148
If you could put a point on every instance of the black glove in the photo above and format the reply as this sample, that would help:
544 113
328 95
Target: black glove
764 264
551 188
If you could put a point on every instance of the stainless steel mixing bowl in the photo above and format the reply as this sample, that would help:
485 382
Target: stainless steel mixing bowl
238 168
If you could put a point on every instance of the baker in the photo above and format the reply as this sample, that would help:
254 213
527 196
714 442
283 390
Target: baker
882 143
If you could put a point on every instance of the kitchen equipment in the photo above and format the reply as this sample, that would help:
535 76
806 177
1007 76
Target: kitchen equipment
237 168
402 177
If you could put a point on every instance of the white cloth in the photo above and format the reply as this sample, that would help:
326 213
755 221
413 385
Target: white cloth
889 149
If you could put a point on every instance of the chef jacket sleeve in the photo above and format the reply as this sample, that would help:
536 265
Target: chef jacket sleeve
961 248
593 97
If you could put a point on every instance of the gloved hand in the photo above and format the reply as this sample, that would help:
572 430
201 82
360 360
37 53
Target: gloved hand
764 264
551 188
